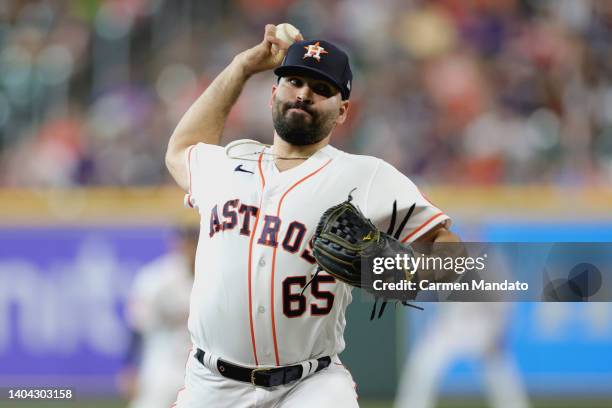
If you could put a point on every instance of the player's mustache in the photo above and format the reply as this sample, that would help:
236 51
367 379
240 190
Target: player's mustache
299 105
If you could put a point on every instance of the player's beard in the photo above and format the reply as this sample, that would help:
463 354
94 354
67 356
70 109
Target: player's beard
301 129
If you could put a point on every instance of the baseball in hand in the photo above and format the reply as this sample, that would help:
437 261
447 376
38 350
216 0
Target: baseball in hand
287 33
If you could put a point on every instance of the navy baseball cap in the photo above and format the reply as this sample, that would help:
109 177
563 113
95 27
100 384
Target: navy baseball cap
321 58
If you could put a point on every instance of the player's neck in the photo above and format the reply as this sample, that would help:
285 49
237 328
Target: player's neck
290 156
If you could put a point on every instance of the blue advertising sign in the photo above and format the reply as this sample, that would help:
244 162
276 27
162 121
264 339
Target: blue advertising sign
62 295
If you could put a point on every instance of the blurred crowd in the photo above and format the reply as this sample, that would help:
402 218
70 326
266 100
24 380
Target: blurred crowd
449 91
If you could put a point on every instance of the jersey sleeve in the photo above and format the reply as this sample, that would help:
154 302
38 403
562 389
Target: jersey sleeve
389 185
201 161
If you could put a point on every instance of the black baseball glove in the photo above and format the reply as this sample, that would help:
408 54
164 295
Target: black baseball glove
346 244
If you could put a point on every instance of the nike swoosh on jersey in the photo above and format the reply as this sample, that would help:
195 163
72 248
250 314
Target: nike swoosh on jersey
239 168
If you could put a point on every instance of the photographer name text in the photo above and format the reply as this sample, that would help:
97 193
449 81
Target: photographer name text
447 286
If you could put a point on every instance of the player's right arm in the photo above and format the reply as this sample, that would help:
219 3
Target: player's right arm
205 119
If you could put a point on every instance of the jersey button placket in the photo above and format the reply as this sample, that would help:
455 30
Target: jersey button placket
264 263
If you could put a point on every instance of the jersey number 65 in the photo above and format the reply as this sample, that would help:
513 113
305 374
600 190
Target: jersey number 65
294 304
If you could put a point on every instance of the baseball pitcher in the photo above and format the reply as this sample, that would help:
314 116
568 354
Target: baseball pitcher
266 325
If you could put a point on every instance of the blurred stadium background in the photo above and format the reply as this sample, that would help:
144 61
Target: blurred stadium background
500 109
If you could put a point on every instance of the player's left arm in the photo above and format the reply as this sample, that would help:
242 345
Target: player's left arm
439 233
439 242
424 226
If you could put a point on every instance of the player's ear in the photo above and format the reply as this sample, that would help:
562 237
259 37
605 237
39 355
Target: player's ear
344 107
274 88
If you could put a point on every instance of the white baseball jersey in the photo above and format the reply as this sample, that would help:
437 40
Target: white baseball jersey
253 256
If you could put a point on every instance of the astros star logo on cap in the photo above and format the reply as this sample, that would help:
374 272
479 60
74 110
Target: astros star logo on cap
314 51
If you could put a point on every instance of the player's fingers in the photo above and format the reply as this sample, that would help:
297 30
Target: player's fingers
270 40
270 29
277 44
281 44
269 33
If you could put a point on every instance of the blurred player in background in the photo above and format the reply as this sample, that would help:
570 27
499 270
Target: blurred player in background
462 330
157 311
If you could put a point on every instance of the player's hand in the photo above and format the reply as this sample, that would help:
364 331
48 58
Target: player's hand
263 56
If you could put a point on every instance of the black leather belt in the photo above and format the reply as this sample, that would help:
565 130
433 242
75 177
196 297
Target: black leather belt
263 377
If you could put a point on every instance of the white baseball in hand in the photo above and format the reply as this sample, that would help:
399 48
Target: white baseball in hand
286 33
